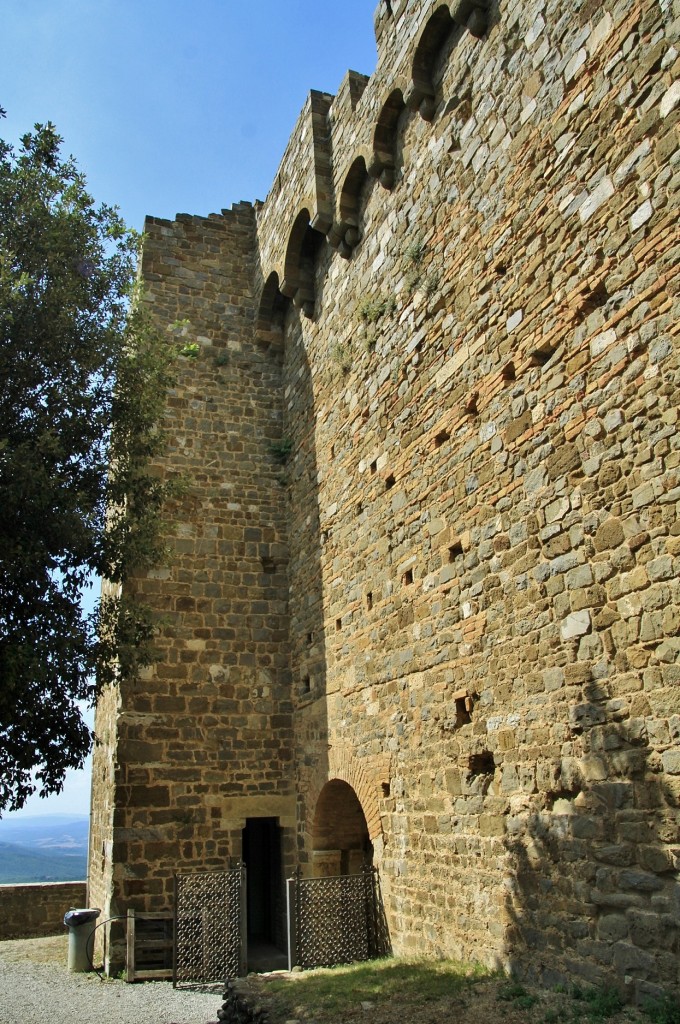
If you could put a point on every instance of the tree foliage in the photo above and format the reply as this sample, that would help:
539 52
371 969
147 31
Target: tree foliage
82 379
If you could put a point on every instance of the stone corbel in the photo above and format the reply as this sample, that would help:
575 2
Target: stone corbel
288 288
419 96
352 233
382 168
471 14
304 301
336 233
343 236
321 221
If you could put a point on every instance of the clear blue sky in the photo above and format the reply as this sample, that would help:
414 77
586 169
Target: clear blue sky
172 106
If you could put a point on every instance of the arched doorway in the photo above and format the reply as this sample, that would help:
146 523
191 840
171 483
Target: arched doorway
341 844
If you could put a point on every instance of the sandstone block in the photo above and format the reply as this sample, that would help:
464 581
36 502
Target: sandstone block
575 624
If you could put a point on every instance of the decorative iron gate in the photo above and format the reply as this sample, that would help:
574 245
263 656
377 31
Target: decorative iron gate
335 920
210 921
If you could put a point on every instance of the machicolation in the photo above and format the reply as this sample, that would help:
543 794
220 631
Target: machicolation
422 605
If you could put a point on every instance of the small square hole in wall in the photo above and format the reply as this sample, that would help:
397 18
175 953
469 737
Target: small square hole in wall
482 763
369 600
385 786
310 639
541 356
501 269
374 466
268 564
508 373
463 711
306 684
455 550
359 509
407 578
441 438
389 481
332 451
338 625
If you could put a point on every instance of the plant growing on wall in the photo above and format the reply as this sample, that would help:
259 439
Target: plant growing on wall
191 350
341 356
281 449
413 256
370 312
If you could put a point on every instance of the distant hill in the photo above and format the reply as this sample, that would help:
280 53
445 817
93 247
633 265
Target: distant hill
52 848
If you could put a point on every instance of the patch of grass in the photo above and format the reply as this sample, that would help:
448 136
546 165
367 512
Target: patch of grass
599 1003
333 991
517 994
554 1016
432 284
662 1011
415 251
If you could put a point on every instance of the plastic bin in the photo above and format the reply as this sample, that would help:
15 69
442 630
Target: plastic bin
80 924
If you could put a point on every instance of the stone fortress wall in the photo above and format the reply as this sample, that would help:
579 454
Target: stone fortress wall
427 561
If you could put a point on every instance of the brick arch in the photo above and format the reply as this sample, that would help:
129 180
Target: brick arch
339 820
346 767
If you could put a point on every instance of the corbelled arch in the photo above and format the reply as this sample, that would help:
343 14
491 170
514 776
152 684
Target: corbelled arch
271 313
445 17
421 95
346 231
384 162
350 194
291 263
298 268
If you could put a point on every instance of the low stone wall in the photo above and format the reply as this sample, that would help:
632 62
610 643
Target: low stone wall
29 911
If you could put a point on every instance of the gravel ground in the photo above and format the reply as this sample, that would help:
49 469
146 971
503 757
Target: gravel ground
36 987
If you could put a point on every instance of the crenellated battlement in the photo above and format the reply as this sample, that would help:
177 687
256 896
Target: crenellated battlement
339 142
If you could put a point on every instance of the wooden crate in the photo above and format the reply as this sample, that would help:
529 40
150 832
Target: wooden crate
150 945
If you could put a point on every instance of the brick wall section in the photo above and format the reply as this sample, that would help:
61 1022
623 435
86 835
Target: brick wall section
31 911
480 510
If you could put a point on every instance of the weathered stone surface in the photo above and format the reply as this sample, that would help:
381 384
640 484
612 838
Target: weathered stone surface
429 547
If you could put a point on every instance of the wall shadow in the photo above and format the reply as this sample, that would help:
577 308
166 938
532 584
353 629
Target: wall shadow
591 891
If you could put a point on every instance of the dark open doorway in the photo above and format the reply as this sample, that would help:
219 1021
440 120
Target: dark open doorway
265 894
